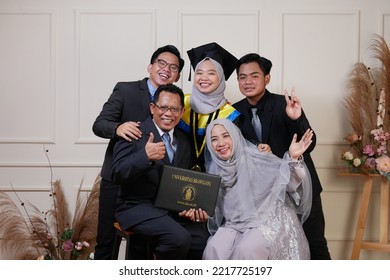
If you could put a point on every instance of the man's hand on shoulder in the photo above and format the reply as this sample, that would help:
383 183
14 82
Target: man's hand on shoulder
129 131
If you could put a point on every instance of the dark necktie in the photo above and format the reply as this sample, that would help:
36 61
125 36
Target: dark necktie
256 124
167 141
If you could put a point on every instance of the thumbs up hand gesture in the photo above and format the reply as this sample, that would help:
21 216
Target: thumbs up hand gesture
154 151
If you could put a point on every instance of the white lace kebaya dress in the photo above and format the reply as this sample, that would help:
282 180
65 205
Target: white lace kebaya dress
261 206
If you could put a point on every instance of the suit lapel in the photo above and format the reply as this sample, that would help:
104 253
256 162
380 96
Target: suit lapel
244 107
245 119
178 153
144 93
182 154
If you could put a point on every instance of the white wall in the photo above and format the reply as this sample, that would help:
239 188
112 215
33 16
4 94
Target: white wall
59 61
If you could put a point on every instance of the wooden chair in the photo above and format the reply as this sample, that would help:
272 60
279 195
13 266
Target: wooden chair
130 244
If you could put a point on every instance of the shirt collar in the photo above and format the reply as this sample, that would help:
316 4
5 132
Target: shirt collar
151 89
260 104
162 132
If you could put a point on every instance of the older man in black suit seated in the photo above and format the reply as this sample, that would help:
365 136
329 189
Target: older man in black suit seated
137 167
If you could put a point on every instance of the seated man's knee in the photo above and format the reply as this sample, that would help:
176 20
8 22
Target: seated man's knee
174 246
182 240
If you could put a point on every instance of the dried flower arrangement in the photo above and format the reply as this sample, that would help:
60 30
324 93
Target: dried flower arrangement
28 233
368 106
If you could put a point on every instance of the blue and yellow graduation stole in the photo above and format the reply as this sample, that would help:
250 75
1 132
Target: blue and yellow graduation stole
195 124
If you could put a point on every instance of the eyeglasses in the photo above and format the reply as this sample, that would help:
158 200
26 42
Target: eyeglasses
164 109
162 64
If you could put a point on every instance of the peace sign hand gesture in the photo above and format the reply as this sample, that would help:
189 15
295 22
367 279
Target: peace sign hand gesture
293 108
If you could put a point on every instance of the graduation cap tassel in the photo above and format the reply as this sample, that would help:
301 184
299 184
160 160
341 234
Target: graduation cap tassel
189 76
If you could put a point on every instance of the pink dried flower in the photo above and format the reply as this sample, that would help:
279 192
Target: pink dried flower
352 138
383 164
68 245
370 162
368 150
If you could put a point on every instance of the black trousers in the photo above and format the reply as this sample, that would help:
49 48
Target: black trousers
192 235
106 218
314 228
174 238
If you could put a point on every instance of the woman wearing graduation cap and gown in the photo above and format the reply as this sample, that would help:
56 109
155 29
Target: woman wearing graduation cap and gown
212 66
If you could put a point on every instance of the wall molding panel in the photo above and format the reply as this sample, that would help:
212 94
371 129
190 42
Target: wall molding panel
101 37
27 76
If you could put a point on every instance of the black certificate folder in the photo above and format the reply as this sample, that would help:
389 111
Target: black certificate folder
182 189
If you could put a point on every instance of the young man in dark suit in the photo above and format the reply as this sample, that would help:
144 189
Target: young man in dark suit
137 167
127 105
280 117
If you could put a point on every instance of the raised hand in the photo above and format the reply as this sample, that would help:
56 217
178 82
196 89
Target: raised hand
293 108
298 148
154 151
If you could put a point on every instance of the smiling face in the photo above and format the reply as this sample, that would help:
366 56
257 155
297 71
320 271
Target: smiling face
221 142
252 81
206 78
174 111
164 75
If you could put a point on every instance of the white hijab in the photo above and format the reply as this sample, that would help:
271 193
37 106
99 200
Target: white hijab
210 102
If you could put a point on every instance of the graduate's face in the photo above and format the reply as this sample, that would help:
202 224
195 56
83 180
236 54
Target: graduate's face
221 142
167 111
161 72
206 78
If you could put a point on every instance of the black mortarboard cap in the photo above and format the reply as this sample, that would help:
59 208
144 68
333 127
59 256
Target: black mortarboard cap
216 52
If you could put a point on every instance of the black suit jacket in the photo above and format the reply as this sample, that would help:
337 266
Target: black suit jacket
135 98
277 129
139 178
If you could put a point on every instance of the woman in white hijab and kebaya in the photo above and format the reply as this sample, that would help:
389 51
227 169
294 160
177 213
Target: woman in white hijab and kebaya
263 199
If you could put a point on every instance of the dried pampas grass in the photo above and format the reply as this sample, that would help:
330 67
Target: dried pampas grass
364 86
85 219
382 52
360 103
31 233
